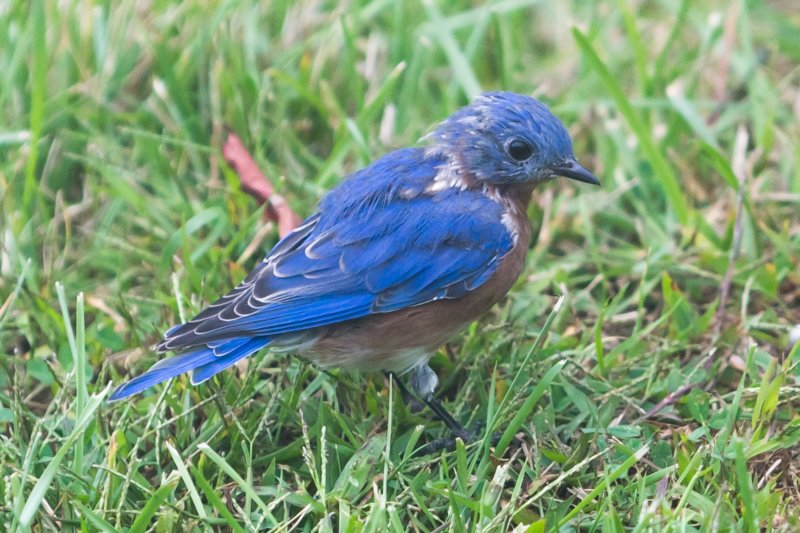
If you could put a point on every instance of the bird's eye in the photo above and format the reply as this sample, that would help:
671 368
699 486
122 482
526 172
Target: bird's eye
519 150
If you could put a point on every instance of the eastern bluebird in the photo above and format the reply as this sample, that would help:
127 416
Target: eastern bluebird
397 259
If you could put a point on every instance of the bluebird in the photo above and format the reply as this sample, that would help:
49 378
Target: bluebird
397 259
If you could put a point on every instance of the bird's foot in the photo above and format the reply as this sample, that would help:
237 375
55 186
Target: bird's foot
449 443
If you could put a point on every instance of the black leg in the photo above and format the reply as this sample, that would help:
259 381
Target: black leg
456 428
435 405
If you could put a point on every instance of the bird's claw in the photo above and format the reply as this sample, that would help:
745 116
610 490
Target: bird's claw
449 443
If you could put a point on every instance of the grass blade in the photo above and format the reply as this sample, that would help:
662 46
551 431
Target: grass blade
462 70
604 482
77 345
43 484
527 407
662 169
745 488
187 480
153 504
38 75
98 523
246 487
215 501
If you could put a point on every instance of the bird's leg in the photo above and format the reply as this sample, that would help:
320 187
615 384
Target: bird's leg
423 382
457 429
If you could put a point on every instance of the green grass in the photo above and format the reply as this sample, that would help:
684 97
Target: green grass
118 218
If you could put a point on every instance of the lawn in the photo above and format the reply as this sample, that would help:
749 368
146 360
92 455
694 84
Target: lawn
644 372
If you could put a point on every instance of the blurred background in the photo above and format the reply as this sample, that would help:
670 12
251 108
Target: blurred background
667 379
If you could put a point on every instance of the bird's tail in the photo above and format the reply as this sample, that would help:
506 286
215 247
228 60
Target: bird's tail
203 362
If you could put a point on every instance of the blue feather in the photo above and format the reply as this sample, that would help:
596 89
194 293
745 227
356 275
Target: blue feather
203 364
162 371
224 347
242 350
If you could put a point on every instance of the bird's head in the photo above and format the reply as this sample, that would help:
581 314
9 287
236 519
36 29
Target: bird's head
508 138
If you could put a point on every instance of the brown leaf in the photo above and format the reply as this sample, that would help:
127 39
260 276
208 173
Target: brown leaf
256 184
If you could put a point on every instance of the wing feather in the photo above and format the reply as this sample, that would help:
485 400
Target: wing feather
352 259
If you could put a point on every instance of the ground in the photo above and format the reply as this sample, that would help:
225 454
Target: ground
643 372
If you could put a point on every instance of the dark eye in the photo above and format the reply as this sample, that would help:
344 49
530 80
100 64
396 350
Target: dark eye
519 150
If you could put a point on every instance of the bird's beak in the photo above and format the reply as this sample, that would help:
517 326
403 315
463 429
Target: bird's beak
572 170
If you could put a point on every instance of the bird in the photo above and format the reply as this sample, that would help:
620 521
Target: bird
396 260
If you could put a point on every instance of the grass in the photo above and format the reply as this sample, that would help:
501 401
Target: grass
659 394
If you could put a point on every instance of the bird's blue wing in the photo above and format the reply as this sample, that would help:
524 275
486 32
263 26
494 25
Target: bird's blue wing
379 243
